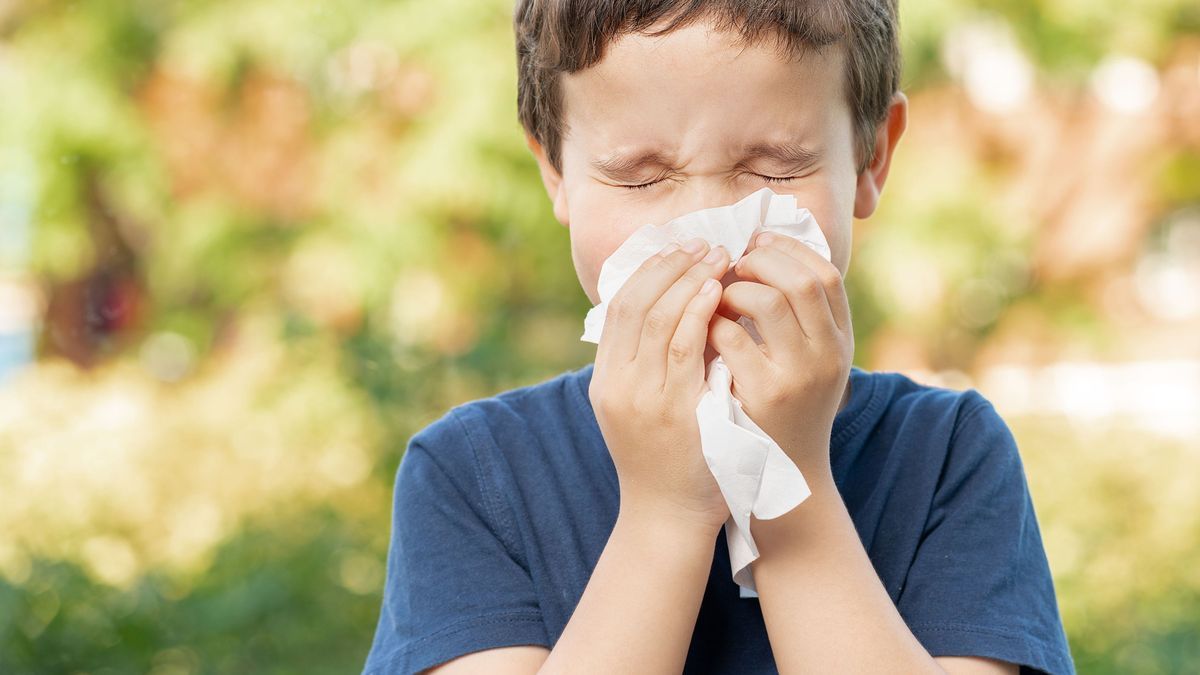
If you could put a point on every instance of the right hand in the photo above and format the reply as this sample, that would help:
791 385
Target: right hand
648 380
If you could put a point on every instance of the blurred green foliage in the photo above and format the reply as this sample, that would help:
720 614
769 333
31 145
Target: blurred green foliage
331 232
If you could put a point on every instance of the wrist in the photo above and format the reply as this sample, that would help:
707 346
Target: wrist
662 550
669 523
806 523
811 454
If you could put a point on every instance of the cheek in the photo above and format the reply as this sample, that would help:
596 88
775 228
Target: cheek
598 227
835 224
832 204
837 233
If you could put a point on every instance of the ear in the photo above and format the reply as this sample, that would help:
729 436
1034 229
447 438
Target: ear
551 179
872 178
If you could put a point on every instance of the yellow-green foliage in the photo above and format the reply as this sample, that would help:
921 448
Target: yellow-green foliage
340 234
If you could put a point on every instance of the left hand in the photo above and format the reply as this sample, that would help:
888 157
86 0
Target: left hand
792 384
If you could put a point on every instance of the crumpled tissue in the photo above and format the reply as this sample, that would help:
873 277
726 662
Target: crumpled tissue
753 472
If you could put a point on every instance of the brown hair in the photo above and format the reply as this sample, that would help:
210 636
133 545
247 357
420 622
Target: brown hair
565 36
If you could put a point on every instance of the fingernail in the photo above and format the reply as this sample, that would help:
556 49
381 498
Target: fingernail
669 249
694 246
709 286
764 239
713 255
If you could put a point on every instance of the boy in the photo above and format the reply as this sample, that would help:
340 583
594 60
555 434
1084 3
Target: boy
573 525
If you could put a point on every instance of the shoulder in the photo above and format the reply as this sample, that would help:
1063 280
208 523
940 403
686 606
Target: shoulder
479 451
958 435
894 403
906 396
467 432
950 432
975 578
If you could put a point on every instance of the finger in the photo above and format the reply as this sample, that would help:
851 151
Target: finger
662 321
800 285
627 308
828 273
772 314
737 348
685 353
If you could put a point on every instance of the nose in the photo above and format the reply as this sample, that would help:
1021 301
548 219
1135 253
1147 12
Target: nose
705 192
702 192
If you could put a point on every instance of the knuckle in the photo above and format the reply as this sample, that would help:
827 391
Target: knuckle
654 261
810 287
678 262
660 259
731 334
620 309
774 304
648 266
680 352
830 278
657 321
614 309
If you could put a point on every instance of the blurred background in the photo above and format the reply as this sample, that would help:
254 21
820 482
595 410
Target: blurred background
247 248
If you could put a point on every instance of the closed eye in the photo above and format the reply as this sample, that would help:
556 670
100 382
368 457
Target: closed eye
643 186
769 179
776 179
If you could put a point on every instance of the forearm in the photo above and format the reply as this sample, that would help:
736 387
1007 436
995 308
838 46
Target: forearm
823 603
639 608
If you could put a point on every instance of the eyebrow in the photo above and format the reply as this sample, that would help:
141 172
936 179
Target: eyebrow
629 167
788 153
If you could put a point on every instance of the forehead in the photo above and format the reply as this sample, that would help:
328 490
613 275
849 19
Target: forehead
698 80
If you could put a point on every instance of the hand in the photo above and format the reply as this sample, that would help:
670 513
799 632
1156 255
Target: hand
792 384
648 380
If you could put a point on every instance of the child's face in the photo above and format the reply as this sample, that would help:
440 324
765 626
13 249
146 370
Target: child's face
702 120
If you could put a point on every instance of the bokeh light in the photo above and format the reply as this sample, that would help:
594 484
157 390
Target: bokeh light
248 248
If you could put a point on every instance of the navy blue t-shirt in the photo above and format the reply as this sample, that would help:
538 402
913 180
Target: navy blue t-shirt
504 504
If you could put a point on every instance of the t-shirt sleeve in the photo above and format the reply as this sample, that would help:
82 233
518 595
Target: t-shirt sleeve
453 585
980 583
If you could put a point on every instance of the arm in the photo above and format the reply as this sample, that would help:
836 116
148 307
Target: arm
824 606
645 593
823 603
639 608
637 612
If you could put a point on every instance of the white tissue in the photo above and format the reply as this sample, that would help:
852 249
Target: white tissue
754 474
